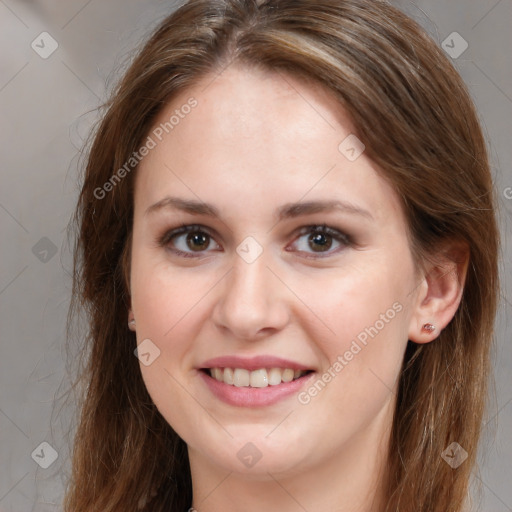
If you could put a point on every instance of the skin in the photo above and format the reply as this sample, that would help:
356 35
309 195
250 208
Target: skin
254 142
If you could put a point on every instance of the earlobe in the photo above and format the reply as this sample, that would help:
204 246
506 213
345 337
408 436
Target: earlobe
131 321
440 295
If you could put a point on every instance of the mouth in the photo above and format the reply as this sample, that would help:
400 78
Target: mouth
259 378
257 381
255 388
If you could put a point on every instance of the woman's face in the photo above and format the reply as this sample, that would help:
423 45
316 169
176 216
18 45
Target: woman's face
254 296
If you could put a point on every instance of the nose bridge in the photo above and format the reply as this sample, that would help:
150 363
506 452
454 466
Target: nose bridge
251 299
249 282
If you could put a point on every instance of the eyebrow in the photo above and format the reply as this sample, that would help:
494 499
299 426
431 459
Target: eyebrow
287 211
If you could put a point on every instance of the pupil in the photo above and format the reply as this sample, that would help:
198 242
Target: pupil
319 238
200 238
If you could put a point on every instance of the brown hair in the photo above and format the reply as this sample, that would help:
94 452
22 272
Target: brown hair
412 111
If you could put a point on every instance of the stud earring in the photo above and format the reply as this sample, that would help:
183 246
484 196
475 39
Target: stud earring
131 323
428 328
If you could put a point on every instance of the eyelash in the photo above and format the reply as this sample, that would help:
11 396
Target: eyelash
344 239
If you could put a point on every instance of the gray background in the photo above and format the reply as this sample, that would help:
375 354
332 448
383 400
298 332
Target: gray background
47 107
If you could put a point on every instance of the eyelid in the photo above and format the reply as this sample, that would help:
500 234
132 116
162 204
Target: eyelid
324 228
183 229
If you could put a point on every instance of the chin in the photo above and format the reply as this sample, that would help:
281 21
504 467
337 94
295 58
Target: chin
256 459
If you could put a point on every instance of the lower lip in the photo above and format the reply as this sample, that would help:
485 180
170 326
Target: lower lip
253 397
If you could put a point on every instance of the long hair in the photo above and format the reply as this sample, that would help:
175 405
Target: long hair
419 125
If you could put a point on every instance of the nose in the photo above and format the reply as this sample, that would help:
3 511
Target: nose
252 301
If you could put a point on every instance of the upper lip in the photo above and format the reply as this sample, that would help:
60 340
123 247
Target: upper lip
253 363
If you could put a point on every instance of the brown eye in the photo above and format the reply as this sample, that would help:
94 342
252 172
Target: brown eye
186 240
198 240
189 241
320 239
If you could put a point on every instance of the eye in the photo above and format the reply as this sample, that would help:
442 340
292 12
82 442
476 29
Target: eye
187 240
321 239
193 238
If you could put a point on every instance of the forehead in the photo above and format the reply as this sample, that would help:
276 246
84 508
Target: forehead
256 136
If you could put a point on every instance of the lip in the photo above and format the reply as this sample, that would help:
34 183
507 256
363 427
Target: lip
253 397
252 363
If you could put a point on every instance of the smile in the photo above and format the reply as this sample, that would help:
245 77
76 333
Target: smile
262 387
260 378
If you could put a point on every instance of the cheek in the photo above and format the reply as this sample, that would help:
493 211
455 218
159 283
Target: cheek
362 360
363 347
166 303
163 297
169 306
362 304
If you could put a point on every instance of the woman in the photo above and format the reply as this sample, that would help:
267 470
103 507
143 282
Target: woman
287 216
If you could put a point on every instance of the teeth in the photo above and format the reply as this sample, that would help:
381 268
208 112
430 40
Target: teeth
228 376
241 378
287 375
261 378
274 376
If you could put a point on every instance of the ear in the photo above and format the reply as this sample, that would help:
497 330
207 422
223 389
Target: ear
440 292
